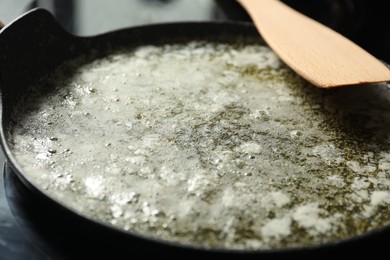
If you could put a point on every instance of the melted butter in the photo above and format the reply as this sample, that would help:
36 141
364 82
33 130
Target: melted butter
209 144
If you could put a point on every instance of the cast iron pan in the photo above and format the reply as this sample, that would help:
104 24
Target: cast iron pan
33 45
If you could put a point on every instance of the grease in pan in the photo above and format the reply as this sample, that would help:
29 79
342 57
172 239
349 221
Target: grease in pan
210 144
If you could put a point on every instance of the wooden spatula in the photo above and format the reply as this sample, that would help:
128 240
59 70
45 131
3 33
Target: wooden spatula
320 55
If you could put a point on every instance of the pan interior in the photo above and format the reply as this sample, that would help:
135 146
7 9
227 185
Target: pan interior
209 144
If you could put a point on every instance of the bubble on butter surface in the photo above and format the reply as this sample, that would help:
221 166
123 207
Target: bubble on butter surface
209 144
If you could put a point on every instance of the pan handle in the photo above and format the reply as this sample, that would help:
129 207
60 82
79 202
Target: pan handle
31 47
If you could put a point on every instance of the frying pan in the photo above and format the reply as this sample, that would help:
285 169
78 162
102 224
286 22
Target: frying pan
33 45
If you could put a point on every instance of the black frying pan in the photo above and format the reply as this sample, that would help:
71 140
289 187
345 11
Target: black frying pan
35 44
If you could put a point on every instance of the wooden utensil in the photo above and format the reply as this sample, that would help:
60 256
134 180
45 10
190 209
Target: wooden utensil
320 55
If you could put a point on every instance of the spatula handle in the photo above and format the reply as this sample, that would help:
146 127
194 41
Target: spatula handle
317 53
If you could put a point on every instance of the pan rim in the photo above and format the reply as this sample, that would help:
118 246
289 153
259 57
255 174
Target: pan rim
18 170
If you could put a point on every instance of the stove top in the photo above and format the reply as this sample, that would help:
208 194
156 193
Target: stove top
32 230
